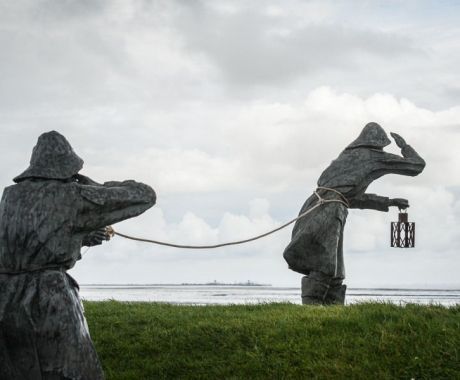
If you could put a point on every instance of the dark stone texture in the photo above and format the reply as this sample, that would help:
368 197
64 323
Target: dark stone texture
43 223
52 158
95 238
372 136
314 288
336 295
317 239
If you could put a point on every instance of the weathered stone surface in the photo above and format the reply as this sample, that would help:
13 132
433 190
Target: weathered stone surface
52 158
95 238
317 239
44 220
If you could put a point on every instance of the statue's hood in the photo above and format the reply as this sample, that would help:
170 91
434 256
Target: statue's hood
372 136
52 158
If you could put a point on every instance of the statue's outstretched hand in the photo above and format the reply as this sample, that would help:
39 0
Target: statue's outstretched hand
401 203
96 237
398 140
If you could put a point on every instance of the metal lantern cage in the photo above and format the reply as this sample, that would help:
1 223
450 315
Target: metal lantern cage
403 232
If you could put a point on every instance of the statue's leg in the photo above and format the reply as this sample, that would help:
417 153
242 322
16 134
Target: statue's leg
336 293
314 288
337 290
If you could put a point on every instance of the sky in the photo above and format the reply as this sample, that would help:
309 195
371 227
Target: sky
231 110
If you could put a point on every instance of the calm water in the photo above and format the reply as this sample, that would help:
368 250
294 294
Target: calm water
224 294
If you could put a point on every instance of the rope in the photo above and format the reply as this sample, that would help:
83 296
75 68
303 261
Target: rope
345 200
320 202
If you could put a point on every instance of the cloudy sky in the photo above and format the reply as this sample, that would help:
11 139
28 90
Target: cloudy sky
230 110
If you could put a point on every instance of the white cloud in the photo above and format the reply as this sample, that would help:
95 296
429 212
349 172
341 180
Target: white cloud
219 103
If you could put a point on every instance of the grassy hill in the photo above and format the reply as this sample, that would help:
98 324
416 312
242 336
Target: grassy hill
275 341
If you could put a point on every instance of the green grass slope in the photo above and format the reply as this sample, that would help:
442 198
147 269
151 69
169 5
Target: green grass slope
275 341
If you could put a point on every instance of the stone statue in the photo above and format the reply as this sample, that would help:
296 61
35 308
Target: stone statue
44 220
316 247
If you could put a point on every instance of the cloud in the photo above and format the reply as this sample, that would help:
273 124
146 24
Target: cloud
369 260
252 47
219 103
162 264
305 137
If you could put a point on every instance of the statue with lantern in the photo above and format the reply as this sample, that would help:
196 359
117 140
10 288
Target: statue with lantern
316 247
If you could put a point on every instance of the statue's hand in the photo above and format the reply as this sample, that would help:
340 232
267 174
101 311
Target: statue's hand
401 203
84 180
96 237
398 140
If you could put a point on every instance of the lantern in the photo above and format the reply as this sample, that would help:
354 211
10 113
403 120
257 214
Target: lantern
403 232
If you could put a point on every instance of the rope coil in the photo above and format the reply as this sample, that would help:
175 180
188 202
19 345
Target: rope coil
321 201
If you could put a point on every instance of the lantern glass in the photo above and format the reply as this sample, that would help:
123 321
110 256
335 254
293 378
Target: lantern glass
403 232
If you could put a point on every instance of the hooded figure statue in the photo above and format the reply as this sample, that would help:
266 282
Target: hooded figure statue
316 247
44 220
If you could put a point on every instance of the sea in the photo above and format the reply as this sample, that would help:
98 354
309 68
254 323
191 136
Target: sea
212 294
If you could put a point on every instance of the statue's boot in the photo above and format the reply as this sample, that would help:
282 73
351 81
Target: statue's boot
336 295
314 290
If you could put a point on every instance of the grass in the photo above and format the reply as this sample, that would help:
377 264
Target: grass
275 341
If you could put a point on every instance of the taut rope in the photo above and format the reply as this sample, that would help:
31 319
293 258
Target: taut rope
320 202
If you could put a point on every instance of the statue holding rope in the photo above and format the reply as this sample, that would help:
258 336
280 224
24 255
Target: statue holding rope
45 218
316 247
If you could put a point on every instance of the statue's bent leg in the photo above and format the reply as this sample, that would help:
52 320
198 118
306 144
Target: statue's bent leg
314 288
319 288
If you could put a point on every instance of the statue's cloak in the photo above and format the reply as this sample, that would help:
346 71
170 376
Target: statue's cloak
317 239
43 330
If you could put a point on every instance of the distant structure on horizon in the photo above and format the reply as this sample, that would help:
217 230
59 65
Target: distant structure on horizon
216 283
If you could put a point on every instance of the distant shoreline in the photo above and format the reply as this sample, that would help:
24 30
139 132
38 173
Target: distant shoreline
241 294
249 284
447 289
